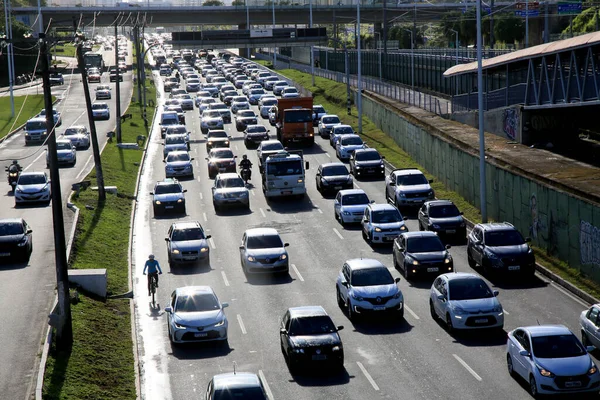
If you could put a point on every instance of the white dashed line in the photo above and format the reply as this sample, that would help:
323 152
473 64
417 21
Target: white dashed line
265 384
84 168
505 312
34 161
197 165
201 197
464 364
338 233
224 278
212 243
356 186
367 375
320 211
198 178
411 312
263 213
327 154
297 272
204 216
242 327
252 191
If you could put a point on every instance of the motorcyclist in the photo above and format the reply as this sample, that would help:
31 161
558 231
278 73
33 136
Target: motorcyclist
246 164
154 270
177 75
14 167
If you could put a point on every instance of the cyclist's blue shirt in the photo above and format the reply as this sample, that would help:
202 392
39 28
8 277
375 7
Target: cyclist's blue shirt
152 266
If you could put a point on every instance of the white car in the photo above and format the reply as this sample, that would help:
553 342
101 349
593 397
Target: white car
204 103
268 147
346 145
289 93
254 95
100 111
337 131
382 223
279 86
32 187
194 314
465 301
178 163
65 153
56 114
229 190
326 124
239 105
185 101
590 326
263 251
211 119
349 205
552 360
203 94
366 286
103 92
192 85
175 143
78 135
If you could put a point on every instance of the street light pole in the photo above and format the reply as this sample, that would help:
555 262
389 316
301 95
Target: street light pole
379 54
359 92
274 48
412 60
9 58
347 70
247 27
526 23
482 183
312 51
456 49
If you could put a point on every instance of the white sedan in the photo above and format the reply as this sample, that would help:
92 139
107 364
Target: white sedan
346 146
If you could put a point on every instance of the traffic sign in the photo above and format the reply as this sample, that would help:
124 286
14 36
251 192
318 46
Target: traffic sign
569 8
530 13
532 5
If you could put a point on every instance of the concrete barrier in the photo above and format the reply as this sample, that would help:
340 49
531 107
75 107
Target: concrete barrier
91 280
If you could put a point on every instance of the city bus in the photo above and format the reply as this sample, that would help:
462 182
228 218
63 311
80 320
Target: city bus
93 59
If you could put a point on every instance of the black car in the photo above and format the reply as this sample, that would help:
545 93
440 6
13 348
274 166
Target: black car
332 177
254 134
244 118
500 247
308 336
113 76
168 195
237 385
367 162
442 217
15 239
421 254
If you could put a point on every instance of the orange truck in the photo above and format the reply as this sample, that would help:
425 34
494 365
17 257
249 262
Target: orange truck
295 121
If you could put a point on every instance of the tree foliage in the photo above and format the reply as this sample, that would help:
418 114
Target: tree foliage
213 3
509 28
585 22
238 3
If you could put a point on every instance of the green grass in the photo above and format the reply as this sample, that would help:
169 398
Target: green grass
33 105
100 363
332 95
65 50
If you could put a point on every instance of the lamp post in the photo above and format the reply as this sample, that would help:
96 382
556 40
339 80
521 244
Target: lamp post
527 23
10 55
247 27
359 93
412 60
379 54
312 52
274 48
482 183
456 49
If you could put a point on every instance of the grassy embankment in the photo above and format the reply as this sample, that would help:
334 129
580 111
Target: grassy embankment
33 106
100 364
332 96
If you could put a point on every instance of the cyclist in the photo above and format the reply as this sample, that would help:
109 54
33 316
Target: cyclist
154 270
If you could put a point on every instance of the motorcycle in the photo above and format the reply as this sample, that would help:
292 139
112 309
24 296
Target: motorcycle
246 173
13 177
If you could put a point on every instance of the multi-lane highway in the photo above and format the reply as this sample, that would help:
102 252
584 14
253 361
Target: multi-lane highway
27 290
415 358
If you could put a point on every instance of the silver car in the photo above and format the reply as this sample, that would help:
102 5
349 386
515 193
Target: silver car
186 101
103 92
179 163
100 111
263 251
32 187
327 123
349 205
382 223
187 243
229 190
65 153
78 135
239 105
175 143
211 119
194 314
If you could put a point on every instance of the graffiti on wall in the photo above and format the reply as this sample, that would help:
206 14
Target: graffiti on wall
537 225
589 244
511 123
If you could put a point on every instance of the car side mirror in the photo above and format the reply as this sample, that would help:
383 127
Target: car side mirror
431 181
441 297
340 327
283 331
224 305
496 293
392 183
184 190
286 244
383 157
524 353
461 213
528 239
29 231
590 348
306 165
397 280
208 237
164 161
241 247
206 158
192 159
405 218
372 202
152 193
448 247
168 310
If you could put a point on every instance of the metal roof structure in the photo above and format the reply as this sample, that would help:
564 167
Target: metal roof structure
527 54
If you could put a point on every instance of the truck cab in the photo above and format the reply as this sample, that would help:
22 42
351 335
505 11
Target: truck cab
283 174
294 121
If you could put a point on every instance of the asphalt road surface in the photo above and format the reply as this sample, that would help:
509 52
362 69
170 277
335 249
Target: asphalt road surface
414 358
27 290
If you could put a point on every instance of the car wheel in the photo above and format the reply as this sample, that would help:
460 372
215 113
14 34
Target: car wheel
340 301
394 260
401 313
470 260
533 387
509 365
406 272
351 313
449 325
584 339
432 310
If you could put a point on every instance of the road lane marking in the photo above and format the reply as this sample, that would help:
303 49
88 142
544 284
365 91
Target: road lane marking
34 161
242 327
356 186
212 243
411 312
84 167
505 312
204 216
263 213
319 210
201 197
198 178
464 364
224 278
197 165
367 375
297 272
265 384
252 191
338 233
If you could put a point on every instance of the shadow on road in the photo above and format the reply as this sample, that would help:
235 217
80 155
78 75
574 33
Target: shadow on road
198 351
269 279
381 325
321 376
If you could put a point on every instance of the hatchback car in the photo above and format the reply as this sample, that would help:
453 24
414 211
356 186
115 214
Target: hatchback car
168 195
103 92
268 147
217 138
408 187
32 187
589 322
78 135
349 205
237 385
552 360
499 247
289 93
100 111
346 146
366 162
230 190
220 160
178 163
421 254
16 240
263 251
187 243
382 223
254 135
66 154
332 177
309 338
464 301
366 286
195 314
443 217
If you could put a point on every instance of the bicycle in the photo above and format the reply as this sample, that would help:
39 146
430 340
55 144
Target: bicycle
153 278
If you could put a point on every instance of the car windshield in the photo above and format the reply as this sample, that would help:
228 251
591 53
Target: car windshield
74 131
32 179
247 113
231 183
208 100
169 188
11 228
257 91
256 129
225 153
271 146
469 289
184 96
290 90
63 146
180 235
244 393
172 157
445 211
283 168
99 106
264 242
35 125
196 302
318 110
218 106
503 238
343 130
386 216
367 156
424 245
211 114
352 141
330 120
193 81
102 88
315 325
410 180
217 134
355 199
372 277
557 346
335 170
269 102
240 99
175 139
177 129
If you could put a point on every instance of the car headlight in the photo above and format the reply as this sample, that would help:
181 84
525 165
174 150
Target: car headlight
23 242
430 194
403 228
324 182
180 200
336 348
544 372
157 202
251 259
448 259
459 310
413 261
244 194
377 229
300 180
435 226
491 255
203 249
179 326
529 250
356 297
401 194
175 251
221 322
283 257
592 370
497 308
301 351
398 295
350 180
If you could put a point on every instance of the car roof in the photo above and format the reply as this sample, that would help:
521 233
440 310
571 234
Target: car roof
341 126
306 311
366 150
179 152
11 220
364 263
349 136
271 141
330 115
228 175
261 232
237 380
186 225
497 226
547 330
333 164
194 289
381 207
63 141
419 234
351 191
439 203
167 181
460 275
407 171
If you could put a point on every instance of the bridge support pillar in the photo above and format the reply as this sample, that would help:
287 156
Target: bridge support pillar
247 51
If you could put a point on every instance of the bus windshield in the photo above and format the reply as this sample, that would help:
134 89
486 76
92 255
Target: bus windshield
285 168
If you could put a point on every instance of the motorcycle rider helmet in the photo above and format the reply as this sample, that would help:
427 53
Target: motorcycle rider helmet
15 162
151 256
245 157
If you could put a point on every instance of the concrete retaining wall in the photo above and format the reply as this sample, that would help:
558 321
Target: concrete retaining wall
505 122
566 225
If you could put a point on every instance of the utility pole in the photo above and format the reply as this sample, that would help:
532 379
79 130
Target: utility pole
492 39
88 104
385 34
118 86
482 177
359 72
138 59
312 51
64 327
9 54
